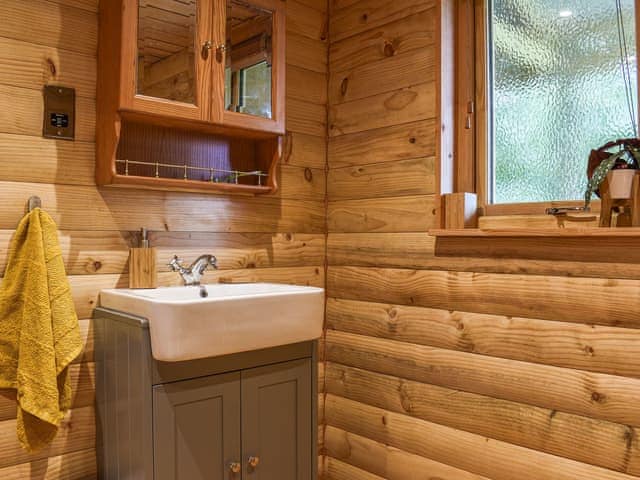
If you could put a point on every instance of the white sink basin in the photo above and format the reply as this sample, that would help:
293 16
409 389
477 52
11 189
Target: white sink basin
232 318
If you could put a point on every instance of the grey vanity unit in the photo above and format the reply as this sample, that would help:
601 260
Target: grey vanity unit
249 416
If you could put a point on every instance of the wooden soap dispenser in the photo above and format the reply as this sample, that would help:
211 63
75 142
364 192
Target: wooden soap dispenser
142 264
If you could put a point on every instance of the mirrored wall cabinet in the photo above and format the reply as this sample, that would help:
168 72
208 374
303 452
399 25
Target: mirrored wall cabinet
191 94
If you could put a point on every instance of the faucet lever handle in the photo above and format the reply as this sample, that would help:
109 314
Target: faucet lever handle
175 263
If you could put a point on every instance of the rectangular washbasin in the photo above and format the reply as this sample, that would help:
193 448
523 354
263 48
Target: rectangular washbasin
232 318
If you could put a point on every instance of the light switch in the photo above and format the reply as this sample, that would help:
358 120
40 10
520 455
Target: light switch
59 112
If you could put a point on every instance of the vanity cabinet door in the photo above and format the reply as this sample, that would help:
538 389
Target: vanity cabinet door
276 422
196 426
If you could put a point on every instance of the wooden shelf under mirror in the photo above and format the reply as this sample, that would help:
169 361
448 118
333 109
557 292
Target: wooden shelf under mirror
155 157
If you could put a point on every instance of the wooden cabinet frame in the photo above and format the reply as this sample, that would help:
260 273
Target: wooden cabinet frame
118 100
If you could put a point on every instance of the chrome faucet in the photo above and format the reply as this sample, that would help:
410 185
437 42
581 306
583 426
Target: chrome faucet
191 275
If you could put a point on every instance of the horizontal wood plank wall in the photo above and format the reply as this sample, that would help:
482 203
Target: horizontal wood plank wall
279 239
465 367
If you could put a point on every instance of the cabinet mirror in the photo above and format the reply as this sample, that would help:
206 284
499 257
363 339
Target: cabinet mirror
166 49
248 58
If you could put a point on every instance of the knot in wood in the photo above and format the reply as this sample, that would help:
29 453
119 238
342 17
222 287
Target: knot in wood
389 49
344 85
308 174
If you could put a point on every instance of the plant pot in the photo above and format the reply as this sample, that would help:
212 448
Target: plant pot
620 183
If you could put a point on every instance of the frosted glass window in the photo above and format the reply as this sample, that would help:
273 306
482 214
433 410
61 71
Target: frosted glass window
557 92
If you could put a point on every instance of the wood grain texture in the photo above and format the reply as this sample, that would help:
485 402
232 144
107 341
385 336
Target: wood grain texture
417 251
592 348
582 439
301 183
90 5
386 75
37 160
69 466
306 85
338 470
306 117
390 179
305 52
499 361
350 18
89 208
383 110
552 298
594 395
46 23
31 65
394 143
305 151
255 239
238 251
482 456
306 20
395 38
386 461
392 214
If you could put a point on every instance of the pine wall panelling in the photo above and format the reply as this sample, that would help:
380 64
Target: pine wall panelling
487 366
279 238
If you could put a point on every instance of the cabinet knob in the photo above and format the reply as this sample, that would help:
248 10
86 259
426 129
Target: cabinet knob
206 46
220 52
235 467
254 461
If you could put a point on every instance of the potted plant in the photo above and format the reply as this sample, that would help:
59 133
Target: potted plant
618 162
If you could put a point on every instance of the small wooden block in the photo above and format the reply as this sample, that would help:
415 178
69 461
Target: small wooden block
460 210
142 268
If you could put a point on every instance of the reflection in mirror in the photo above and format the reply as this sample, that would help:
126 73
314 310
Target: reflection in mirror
166 40
248 59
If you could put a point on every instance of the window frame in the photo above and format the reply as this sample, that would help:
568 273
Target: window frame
472 122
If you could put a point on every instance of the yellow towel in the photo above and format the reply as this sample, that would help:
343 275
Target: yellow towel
39 334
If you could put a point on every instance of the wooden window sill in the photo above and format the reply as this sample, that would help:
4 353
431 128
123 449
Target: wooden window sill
588 244
537 232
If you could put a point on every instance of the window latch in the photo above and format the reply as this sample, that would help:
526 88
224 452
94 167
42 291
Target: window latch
565 210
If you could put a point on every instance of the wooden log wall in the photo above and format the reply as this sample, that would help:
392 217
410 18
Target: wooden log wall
279 239
520 366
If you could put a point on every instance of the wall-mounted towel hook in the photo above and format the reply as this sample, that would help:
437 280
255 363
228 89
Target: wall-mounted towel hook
34 202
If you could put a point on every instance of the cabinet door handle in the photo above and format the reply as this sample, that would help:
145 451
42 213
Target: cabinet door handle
220 52
253 461
206 46
235 467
